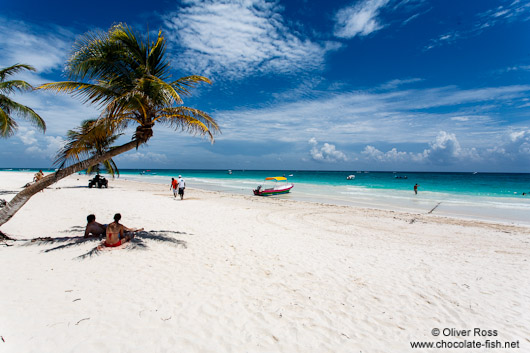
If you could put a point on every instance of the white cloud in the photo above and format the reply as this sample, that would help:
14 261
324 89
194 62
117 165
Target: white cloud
509 12
359 19
47 147
142 157
516 146
392 84
326 153
46 49
369 117
43 48
39 145
445 149
26 135
372 153
460 118
240 38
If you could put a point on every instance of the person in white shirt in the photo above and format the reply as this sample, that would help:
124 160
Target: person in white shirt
182 186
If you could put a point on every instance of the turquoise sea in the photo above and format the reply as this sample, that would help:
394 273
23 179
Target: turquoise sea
495 196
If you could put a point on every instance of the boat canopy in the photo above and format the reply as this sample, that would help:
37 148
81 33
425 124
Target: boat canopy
276 178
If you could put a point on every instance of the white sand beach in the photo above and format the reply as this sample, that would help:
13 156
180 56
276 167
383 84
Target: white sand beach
219 272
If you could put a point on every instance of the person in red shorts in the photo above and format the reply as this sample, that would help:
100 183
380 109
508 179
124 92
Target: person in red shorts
174 187
117 233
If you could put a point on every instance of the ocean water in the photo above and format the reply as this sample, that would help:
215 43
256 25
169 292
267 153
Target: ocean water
487 196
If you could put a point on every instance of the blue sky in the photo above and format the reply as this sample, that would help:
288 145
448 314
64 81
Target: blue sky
322 85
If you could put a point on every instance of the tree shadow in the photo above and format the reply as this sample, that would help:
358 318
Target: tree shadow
138 242
159 236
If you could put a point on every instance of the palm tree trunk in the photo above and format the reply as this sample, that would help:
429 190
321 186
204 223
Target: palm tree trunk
22 197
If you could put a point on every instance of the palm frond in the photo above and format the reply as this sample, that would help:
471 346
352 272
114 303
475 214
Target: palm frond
110 167
11 107
157 64
183 84
93 137
190 120
8 87
89 93
7 125
8 71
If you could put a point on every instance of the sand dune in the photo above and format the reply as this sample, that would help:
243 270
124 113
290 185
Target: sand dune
231 273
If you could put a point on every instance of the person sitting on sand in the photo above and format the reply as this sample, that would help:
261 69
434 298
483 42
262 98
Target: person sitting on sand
93 228
38 176
118 234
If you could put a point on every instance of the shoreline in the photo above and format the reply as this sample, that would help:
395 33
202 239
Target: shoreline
224 273
492 212
499 210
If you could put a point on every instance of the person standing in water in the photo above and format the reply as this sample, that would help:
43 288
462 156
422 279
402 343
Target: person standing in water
416 189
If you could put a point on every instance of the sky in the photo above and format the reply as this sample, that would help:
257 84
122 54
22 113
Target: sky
389 85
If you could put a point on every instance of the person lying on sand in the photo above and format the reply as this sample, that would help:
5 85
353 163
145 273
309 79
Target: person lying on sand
93 228
118 234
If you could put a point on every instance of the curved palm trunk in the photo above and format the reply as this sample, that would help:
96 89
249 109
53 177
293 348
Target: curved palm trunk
22 197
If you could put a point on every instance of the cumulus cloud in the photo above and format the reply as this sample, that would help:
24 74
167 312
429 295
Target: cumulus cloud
27 136
326 153
240 38
372 153
516 146
49 149
38 145
445 149
360 19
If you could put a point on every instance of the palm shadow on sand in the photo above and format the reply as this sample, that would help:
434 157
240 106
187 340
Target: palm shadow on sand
139 242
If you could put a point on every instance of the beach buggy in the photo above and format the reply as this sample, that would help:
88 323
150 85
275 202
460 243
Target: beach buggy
98 181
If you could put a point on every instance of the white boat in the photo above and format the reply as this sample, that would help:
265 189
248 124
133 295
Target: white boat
350 177
229 171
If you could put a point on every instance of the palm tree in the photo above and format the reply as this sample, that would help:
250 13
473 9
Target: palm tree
89 140
129 78
8 107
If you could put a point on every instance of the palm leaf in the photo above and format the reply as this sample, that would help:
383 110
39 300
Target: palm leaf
90 93
190 120
8 87
10 107
7 125
93 137
183 84
8 71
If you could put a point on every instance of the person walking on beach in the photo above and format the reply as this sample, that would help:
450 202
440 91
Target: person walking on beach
416 189
174 187
182 186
